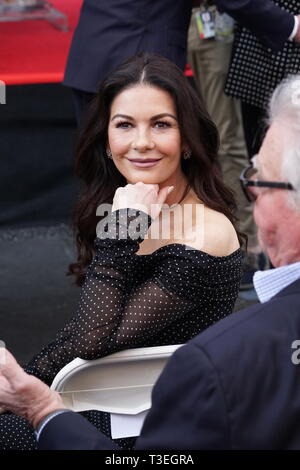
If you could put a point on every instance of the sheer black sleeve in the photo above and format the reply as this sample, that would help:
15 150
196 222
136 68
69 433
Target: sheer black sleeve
115 311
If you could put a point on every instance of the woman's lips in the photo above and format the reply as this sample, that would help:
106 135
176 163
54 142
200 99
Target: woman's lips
145 163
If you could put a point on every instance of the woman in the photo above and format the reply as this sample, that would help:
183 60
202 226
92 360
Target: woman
148 145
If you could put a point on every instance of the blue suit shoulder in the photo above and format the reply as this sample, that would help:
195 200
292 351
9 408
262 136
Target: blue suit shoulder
242 367
259 322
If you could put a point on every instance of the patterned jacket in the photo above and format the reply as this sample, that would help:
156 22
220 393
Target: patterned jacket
256 69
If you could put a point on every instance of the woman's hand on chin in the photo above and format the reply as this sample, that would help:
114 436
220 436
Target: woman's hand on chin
140 196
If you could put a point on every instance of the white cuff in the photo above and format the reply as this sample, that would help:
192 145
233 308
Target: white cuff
295 29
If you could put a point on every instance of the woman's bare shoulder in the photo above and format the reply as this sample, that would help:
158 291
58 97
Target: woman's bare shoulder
212 233
220 237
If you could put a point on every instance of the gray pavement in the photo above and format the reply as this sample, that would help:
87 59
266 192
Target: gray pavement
36 297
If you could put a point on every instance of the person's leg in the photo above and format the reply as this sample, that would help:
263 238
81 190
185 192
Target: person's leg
209 62
81 101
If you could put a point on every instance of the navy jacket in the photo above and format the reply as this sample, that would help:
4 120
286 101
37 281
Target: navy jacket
234 386
270 23
109 31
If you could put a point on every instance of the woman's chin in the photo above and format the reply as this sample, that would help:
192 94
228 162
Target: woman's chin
146 179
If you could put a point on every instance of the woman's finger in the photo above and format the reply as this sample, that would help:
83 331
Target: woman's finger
163 193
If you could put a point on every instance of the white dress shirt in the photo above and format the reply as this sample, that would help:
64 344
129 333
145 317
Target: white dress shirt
268 283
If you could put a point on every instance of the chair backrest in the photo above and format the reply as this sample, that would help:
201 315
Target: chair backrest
119 383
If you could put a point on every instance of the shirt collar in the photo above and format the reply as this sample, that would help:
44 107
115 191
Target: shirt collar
268 283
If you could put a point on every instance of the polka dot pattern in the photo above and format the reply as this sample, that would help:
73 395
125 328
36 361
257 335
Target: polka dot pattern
256 70
131 301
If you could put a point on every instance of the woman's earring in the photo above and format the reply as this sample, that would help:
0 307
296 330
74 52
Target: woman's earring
187 154
108 153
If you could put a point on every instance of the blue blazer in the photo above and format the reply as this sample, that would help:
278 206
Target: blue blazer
270 23
234 386
109 31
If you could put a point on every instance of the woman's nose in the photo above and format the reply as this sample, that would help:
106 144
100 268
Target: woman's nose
142 140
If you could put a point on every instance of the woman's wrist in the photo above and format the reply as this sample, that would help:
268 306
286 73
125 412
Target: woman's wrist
124 224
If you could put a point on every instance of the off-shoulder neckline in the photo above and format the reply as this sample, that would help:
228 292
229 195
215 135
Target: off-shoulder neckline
190 248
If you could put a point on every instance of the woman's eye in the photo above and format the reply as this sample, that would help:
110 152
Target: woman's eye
123 125
162 124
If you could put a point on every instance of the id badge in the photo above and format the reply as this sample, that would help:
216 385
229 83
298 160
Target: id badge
224 27
205 24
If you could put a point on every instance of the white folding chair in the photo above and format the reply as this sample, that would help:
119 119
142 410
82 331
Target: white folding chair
120 384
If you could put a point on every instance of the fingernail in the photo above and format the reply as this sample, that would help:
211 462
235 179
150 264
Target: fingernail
170 189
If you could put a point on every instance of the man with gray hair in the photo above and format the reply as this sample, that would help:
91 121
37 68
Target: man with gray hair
275 167
236 385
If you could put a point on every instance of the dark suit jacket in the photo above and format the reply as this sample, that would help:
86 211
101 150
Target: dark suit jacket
109 31
255 70
270 23
234 386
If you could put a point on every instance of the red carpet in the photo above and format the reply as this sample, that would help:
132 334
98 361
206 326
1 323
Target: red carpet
35 51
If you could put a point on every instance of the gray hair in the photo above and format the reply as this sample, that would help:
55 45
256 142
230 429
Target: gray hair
285 105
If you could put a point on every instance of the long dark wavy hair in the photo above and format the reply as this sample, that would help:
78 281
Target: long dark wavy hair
101 178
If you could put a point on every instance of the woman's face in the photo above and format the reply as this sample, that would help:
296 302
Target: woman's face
144 136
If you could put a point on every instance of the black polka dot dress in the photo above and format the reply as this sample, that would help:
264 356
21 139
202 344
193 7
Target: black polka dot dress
256 70
131 301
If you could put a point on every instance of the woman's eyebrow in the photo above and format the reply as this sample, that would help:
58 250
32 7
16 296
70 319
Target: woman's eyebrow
153 118
123 116
159 116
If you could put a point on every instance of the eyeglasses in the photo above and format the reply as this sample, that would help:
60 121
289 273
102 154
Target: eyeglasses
247 181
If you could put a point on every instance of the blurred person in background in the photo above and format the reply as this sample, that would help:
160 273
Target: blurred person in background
258 66
210 41
209 52
110 31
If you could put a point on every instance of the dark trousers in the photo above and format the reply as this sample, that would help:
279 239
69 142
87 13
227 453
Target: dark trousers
254 122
